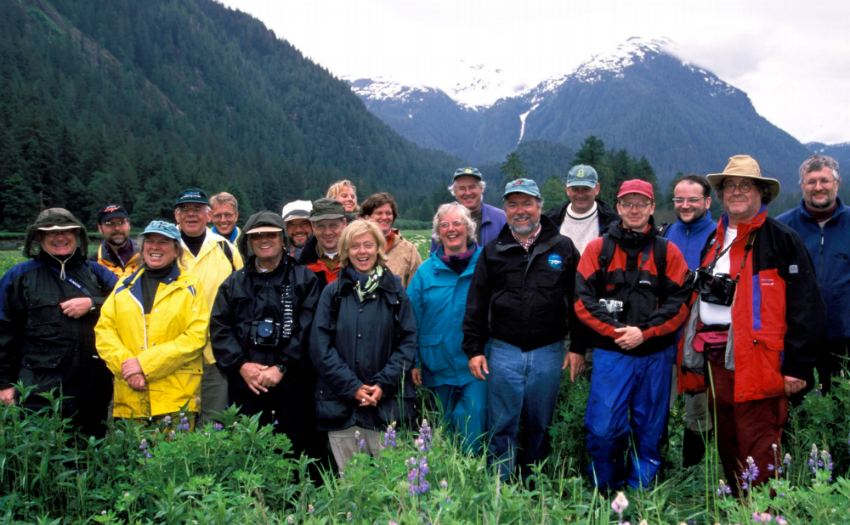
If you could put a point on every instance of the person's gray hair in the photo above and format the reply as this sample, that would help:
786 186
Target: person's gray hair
465 216
818 162
481 184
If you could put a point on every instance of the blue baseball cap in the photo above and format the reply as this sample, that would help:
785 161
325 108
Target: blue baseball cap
470 172
582 175
163 228
527 186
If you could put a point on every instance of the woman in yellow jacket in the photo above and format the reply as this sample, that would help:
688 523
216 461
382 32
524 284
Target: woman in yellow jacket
152 332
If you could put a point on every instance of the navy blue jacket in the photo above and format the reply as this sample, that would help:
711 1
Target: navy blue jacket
691 238
830 251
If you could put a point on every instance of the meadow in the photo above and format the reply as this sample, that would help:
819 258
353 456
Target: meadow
238 472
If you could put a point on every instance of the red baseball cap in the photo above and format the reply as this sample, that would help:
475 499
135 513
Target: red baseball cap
641 187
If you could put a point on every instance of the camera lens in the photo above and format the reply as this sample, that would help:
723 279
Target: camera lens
265 329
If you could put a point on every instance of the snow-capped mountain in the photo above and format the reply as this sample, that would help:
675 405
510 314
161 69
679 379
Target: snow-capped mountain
640 96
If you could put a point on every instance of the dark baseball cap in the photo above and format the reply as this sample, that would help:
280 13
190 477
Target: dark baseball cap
527 186
110 211
469 172
195 195
327 209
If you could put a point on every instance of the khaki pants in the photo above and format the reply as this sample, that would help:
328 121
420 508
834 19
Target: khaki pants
697 418
345 444
213 394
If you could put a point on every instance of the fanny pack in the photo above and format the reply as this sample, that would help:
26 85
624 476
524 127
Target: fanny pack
712 340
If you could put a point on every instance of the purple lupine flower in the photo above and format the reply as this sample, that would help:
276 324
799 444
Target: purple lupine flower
751 472
218 426
724 489
417 484
362 444
390 438
424 440
780 520
787 460
620 503
762 517
166 420
444 484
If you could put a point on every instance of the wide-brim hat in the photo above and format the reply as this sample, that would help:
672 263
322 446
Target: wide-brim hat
748 168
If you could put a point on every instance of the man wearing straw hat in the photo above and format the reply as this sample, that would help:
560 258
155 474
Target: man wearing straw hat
756 306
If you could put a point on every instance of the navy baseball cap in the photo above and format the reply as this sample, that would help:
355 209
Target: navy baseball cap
110 211
195 195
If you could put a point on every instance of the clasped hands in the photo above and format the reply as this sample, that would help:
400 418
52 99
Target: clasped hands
260 378
368 395
133 374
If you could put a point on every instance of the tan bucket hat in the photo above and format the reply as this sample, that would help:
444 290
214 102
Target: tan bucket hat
747 167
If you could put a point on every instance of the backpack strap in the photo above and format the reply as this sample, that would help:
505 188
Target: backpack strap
228 252
660 254
606 253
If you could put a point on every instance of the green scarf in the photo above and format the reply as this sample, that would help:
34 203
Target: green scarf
372 282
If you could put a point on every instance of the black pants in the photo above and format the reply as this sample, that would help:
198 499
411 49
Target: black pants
88 391
292 411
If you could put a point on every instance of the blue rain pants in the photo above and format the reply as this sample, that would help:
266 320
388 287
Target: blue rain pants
629 397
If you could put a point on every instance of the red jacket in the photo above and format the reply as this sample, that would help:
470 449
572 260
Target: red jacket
657 308
778 310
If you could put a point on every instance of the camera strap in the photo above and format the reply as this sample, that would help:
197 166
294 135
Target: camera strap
750 242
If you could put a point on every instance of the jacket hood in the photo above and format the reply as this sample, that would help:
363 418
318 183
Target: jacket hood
261 218
54 217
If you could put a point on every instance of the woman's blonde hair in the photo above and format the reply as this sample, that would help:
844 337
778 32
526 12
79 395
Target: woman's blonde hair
337 187
356 229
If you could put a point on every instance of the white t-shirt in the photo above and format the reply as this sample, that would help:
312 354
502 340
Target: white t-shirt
714 313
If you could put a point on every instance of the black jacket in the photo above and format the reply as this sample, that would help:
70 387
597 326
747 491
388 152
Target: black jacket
605 215
524 298
366 345
248 296
39 345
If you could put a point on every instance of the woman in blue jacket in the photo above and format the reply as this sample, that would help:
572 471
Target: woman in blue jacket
438 295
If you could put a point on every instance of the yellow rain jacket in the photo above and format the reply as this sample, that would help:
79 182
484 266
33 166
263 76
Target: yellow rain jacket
168 343
212 267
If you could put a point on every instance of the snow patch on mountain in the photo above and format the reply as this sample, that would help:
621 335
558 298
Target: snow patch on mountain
632 51
522 118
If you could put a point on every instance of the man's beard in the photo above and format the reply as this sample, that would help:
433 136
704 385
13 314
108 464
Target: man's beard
696 217
812 204
524 231
112 242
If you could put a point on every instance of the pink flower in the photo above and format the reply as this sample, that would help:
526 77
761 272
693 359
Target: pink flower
620 503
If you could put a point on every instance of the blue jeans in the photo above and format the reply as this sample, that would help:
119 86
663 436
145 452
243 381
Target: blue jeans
464 410
523 385
621 385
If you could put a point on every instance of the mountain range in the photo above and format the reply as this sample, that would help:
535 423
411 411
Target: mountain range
641 97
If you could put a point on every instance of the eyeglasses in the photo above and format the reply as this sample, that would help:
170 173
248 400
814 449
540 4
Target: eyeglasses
690 200
641 206
813 183
263 235
116 224
322 228
745 187
226 216
56 233
184 209
446 224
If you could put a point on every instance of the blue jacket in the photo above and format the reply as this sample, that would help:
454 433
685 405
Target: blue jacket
438 296
830 251
492 220
691 238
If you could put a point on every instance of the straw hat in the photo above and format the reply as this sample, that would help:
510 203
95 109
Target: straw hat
747 167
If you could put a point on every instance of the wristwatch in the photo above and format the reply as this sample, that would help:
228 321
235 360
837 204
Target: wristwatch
281 368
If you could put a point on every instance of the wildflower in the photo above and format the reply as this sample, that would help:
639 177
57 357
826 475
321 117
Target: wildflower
762 517
787 460
356 434
171 434
166 420
444 484
780 520
126 494
620 503
197 400
424 439
310 509
416 482
751 473
349 516
290 520
275 422
144 444
724 489
643 522
218 426
392 523
390 438
362 444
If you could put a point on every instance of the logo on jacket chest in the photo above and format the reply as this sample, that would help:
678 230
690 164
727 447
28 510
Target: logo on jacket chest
555 261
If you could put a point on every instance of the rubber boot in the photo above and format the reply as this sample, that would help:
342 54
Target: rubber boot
693 447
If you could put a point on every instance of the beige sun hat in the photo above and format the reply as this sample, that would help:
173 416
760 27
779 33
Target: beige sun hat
747 167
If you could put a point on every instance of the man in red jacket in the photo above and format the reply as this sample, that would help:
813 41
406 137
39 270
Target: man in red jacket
757 304
630 291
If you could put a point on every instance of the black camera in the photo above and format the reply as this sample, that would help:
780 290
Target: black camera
265 332
715 289
614 307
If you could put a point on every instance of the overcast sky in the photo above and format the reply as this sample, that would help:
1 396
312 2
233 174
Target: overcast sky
791 57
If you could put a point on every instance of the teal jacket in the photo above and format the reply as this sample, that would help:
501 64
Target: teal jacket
438 296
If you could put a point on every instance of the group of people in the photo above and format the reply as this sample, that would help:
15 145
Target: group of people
325 320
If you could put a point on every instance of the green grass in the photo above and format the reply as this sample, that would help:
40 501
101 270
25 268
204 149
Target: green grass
421 239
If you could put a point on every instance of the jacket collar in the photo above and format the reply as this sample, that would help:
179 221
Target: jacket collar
698 225
744 228
136 291
233 235
440 266
210 239
839 209
548 231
